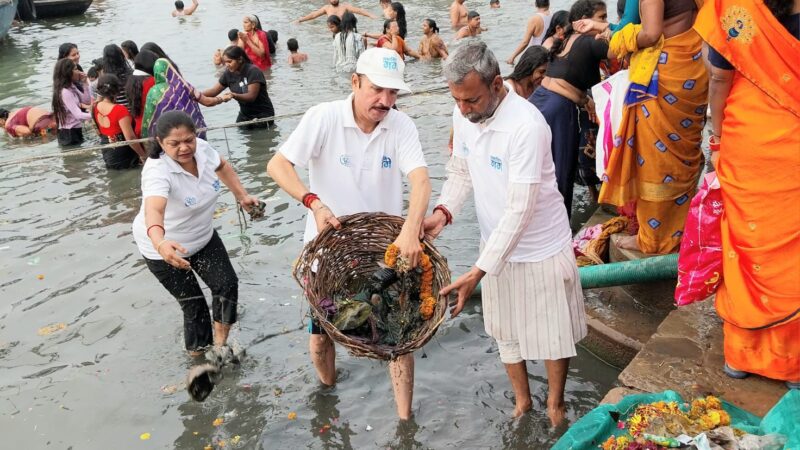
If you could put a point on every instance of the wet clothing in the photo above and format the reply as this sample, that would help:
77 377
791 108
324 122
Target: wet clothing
238 83
346 50
21 119
580 67
74 115
70 136
537 40
561 114
759 298
212 264
261 62
116 158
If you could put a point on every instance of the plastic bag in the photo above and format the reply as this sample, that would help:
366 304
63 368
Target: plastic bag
700 258
609 99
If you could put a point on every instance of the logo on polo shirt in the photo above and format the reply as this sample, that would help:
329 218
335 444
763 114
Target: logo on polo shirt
496 163
345 161
190 201
216 185
390 63
386 163
464 149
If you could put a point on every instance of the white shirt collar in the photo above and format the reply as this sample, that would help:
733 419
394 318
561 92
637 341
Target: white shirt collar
500 119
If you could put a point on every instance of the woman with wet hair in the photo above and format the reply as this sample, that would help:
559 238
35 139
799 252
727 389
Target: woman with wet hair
174 230
70 104
115 124
529 71
27 121
397 12
557 28
334 24
155 48
254 42
347 44
246 85
431 46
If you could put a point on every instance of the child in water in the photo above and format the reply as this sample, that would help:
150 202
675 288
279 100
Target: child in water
295 57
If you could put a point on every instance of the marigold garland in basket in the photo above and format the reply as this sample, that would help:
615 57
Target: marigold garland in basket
427 300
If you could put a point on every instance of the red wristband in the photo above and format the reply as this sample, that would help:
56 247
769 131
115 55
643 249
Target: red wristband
309 198
713 143
448 218
153 226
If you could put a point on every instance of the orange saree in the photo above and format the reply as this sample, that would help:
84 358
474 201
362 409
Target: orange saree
759 173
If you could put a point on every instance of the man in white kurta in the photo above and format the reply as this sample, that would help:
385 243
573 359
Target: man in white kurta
532 298
357 152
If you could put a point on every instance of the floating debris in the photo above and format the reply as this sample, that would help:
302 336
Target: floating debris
369 428
40 277
235 439
50 329
218 421
292 415
144 436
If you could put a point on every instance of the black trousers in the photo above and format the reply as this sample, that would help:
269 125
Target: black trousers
214 267
70 136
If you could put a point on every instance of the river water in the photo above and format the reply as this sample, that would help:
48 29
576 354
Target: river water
111 366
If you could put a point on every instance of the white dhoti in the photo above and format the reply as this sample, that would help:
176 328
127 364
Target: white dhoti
537 304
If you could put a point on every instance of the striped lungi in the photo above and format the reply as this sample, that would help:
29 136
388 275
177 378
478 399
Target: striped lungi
538 304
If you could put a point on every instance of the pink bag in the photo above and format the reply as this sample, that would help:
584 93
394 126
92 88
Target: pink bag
700 258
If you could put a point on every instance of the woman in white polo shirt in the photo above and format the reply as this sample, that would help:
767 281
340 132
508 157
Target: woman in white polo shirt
174 232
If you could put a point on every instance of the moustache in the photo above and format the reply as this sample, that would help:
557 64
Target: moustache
381 108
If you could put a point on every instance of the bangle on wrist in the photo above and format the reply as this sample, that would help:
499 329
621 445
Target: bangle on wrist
448 217
308 199
156 226
158 247
714 143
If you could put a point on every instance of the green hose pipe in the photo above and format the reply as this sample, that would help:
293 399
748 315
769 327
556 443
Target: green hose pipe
636 271
656 268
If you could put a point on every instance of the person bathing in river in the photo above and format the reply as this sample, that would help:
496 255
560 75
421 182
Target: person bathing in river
334 24
431 46
535 30
255 43
183 10
247 86
295 55
335 8
348 45
233 39
473 27
331 133
115 124
70 105
391 39
532 297
458 14
27 121
175 234
130 50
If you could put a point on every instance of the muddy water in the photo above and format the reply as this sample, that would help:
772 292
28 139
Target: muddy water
111 367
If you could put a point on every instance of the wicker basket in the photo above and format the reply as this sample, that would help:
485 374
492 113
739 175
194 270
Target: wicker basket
342 260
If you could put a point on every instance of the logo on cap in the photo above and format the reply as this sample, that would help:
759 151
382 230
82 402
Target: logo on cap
390 63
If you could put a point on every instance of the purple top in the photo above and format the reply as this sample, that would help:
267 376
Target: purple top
72 99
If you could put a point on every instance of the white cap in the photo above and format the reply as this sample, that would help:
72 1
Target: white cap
384 68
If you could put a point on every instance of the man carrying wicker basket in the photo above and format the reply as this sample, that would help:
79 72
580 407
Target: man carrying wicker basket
357 151
532 298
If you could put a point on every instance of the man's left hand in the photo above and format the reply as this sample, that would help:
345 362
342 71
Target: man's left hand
464 286
408 244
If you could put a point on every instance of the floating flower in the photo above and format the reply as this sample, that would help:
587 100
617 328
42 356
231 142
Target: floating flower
292 415
50 329
218 421
144 436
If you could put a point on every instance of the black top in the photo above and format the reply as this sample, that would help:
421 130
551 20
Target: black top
792 25
237 82
674 8
581 66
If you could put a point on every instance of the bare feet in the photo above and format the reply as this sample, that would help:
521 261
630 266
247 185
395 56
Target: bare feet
629 243
522 408
556 412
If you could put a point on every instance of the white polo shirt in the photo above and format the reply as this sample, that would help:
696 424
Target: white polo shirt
350 170
191 200
514 147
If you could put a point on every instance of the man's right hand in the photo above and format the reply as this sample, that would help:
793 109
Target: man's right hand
434 224
323 216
